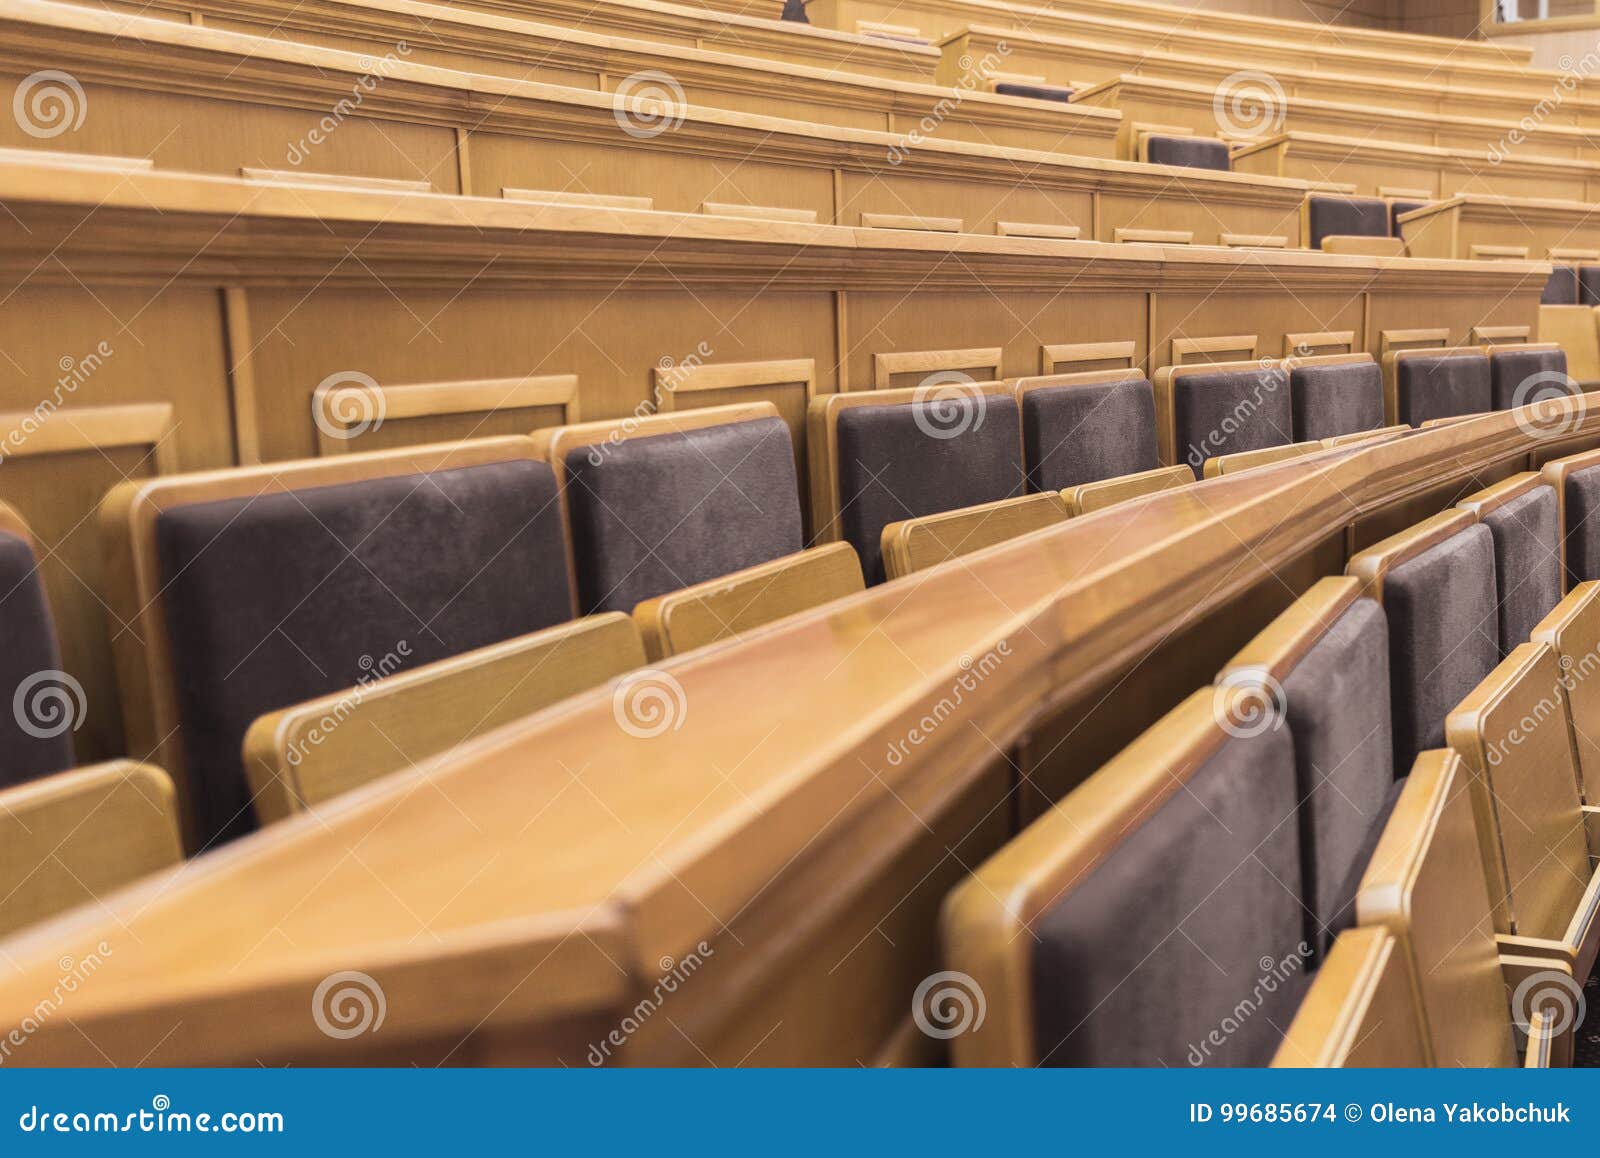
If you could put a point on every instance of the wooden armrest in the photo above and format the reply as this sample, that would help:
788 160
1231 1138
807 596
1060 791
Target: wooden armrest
1544 1005
303 755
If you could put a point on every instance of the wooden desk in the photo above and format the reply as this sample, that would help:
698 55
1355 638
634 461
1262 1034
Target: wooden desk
1451 228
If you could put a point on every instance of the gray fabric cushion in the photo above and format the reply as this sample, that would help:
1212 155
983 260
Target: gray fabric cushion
1396 208
1161 943
1343 914
896 465
1346 217
1228 411
1444 636
1561 288
275 599
1527 563
1033 91
1442 386
1589 285
1337 702
1081 434
29 649
1544 372
1188 152
651 515
1337 399
1583 525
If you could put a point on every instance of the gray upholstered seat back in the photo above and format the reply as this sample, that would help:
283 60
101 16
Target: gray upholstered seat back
1561 288
1188 152
654 514
1444 635
1589 285
1527 562
1147 957
35 724
1336 699
1084 433
1337 398
1583 525
1518 377
1441 386
1228 411
1346 217
902 461
277 598
1036 92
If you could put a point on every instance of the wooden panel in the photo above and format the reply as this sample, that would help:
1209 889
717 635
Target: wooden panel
350 412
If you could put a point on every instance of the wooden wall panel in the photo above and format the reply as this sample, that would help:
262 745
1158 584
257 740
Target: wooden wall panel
1211 314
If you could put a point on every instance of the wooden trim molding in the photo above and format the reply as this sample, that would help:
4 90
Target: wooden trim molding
886 366
343 411
29 434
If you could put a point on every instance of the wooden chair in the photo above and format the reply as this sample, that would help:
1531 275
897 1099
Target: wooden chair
917 544
669 500
1334 395
71 838
1524 518
1096 496
1572 630
1086 426
1425 886
1207 409
882 456
1527 372
1576 480
45 703
1421 384
1340 218
299 757
1513 734
721 608
1360 1011
251 589
1436 583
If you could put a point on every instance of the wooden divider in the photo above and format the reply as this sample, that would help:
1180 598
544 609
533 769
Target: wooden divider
1461 225
229 303
757 881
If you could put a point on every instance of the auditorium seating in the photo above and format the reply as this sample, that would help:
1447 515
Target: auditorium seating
1328 218
1577 485
301 756
248 590
1359 1010
1525 373
1334 395
1207 409
36 740
1184 151
1573 632
1436 583
1086 426
1427 383
877 457
1524 519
